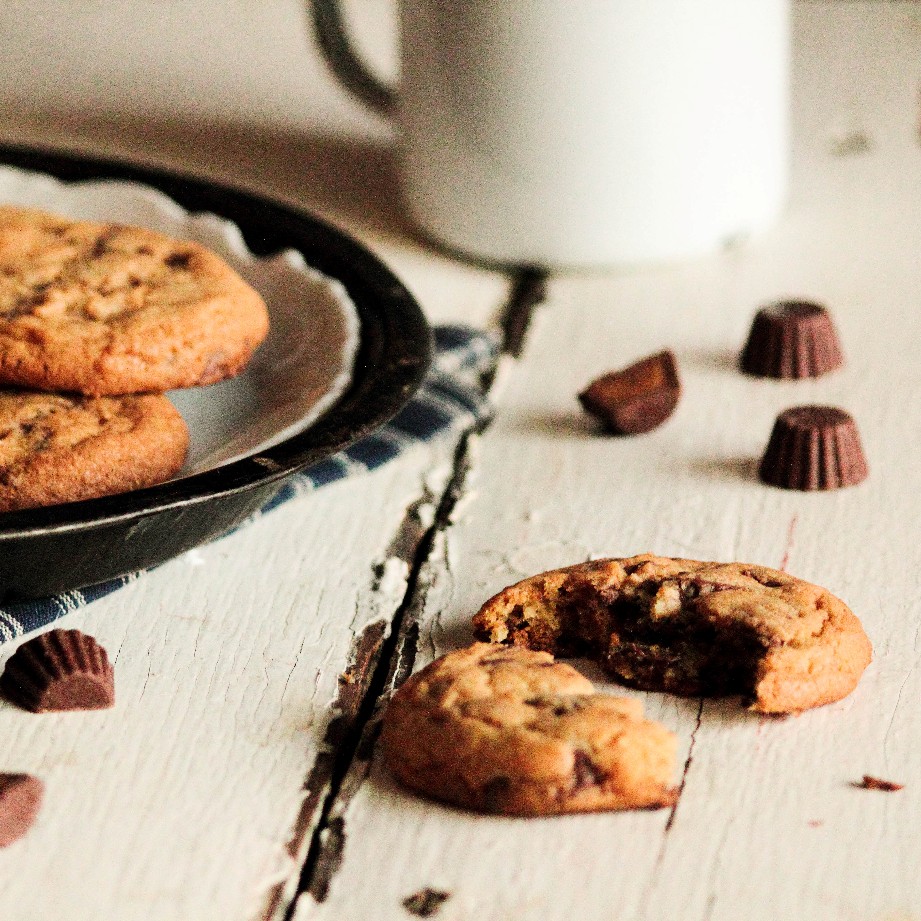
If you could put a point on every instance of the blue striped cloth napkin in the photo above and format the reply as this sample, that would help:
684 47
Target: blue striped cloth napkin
450 399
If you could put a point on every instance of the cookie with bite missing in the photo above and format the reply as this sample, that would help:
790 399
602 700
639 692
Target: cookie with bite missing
106 309
691 628
510 731
58 448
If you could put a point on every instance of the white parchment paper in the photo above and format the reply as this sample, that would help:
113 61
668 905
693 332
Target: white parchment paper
301 369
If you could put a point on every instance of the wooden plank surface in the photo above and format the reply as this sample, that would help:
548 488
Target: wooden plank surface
188 801
197 796
180 801
769 824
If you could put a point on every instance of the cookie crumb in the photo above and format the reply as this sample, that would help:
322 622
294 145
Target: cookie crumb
426 902
875 783
853 143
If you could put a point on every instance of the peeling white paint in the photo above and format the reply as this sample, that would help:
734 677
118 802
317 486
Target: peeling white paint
392 581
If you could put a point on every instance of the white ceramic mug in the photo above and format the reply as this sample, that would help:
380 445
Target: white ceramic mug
585 132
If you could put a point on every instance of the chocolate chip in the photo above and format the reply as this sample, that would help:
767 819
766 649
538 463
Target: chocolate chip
636 399
559 706
495 792
59 670
25 306
178 260
791 340
566 705
426 902
101 246
20 799
813 448
586 772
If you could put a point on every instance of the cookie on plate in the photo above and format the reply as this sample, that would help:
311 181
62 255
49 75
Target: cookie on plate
100 308
691 628
56 448
511 731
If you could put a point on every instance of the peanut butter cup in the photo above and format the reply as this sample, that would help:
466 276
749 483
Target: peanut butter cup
636 399
59 670
20 799
790 340
813 448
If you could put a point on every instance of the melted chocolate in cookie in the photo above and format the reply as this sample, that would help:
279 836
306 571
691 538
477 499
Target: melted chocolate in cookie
640 644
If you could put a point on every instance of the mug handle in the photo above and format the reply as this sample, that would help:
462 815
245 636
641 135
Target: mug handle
344 62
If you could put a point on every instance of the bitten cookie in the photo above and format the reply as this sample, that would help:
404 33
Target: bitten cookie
107 309
511 731
690 628
56 448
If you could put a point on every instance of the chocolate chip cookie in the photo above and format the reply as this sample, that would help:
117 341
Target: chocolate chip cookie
100 308
691 628
56 448
510 731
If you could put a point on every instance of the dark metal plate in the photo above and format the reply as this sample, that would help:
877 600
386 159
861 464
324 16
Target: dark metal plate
50 550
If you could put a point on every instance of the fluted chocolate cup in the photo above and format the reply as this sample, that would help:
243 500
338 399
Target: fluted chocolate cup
813 448
59 670
791 340
20 799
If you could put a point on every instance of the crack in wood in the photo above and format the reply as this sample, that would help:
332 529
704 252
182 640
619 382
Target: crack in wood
321 780
383 656
343 731
788 547
529 291
660 858
684 774
395 663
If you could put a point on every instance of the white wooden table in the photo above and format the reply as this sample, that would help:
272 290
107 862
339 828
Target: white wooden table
235 779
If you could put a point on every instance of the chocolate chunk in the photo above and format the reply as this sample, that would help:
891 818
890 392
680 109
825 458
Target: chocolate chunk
495 792
59 670
874 783
813 447
638 398
426 902
585 772
791 340
178 260
20 799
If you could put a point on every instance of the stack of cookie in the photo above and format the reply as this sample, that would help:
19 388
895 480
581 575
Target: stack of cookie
96 322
